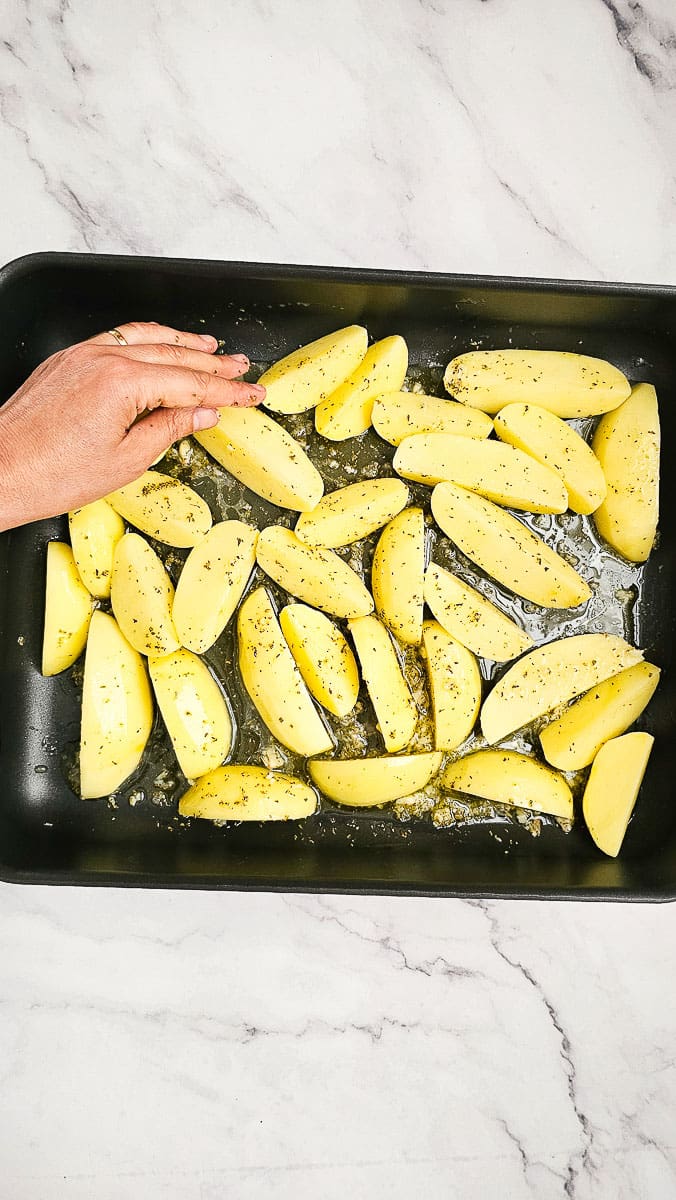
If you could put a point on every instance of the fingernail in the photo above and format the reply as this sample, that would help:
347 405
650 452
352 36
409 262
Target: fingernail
240 358
204 418
258 391
208 340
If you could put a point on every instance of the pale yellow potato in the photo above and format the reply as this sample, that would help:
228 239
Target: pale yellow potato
248 794
557 445
313 574
390 695
506 777
397 415
211 583
307 375
370 782
397 575
142 596
95 531
494 470
613 787
471 618
347 411
264 457
505 549
323 657
163 508
574 740
352 512
570 385
627 445
194 711
455 686
273 681
68 611
551 675
117 709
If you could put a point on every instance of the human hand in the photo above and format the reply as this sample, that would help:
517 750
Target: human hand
96 415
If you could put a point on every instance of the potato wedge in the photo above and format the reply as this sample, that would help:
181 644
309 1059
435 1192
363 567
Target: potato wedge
323 657
317 576
273 681
352 512
494 470
557 445
370 782
397 575
627 444
570 385
347 411
194 711
142 596
471 618
455 686
95 531
248 794
574 740
613 787
397 415
506 549
507 777
211 583
394 706
264 457
164 508
68 611
117 709
551 675
303 378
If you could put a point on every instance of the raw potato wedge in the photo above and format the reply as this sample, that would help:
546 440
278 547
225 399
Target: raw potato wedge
394 706
370 782
117 709
347 411
164 508
574 740
142 595
612 789
627 445
551 675
248 794
68 611
397 415
273 680
323 657
471 618
264 457
506 550
317 576
398 573
352 512
194 711
570 385
498 472
556 445
95 531
455 686
507 777
211 583
303 378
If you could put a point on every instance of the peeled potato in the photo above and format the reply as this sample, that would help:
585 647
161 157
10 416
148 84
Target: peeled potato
352 512
574 740
506 777
323 657
303 378
164 508
211 584
248 794
570 385
557 445
68 611
397 415
370 782
313 574
347 411
627 444
455 686
95 531
612 788
142 595
471 618
397 575
390 694
194 711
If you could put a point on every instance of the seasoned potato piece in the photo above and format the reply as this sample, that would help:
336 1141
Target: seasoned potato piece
455 685
612 788
248 794
194 711
390 695
574 740
68 611
397 415
352 512
322 656
557 445
570 385
471 618
370 782
142 595
95 531
303 378
347 411
506 777
397 575
627 444
313 574
211 584
164 508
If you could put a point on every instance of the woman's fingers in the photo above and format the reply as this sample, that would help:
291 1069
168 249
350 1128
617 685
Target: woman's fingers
226 366
139 333
153 434
180 387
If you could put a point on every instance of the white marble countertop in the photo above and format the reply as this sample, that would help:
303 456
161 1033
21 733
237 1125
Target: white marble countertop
198 1046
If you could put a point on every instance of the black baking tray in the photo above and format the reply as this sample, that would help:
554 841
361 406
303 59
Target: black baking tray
47 835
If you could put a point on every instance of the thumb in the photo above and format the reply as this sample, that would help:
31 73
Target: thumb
152 435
